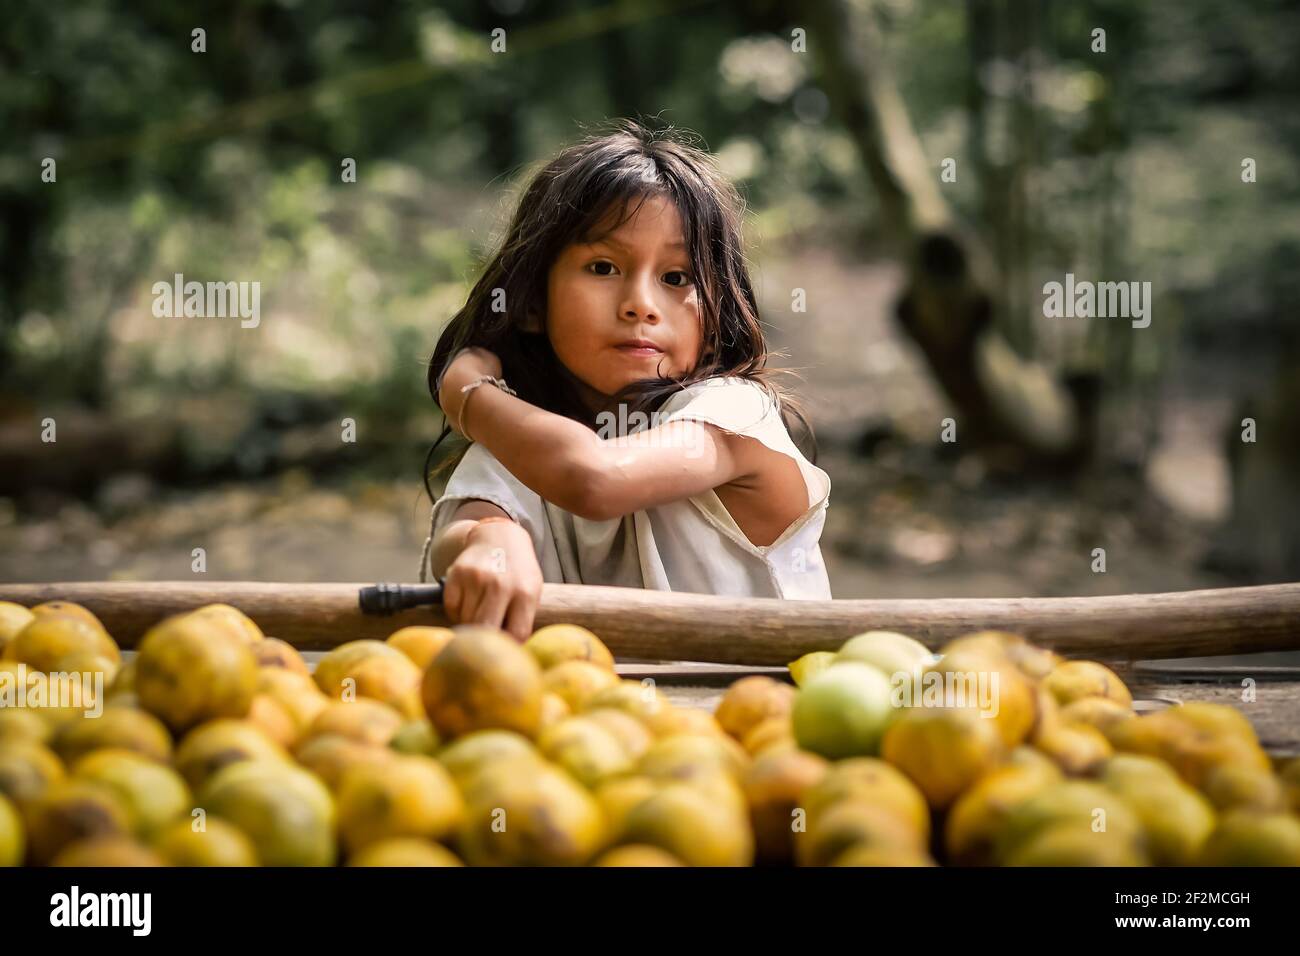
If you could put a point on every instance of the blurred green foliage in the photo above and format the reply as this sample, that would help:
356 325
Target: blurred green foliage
226 164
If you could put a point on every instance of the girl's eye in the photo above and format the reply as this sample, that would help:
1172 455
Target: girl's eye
597 265
685 278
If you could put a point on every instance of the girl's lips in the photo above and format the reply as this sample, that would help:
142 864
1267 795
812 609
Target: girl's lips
637 350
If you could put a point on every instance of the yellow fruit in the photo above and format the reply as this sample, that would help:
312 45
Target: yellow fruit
1098 712
684 758
1074 680
577 681
153 794
70 811
1219 720
523 813
866 854
217 744
1191 750
108 851
1289 773
617 798
365 721
774 788
405 851
273 652
852 823
124 682
297 693
22 723
189 671
751 700
773 733
942 749
554 710
408 796
287 813
1070 845
1087 808
471 754
894 655
13 618
630 733
69 609
336 666
810 665
61 643
1078 748
672 721
585 749
371 669
1033 661
638 854
988 682
483 680
692 825
1177 820
843 712
972 825
271 717
1234 787
329 756
13 841
232 620
557 643
118 727
421 644
1246 838
642 700
218 843
415 737
393 681
27 770
869 780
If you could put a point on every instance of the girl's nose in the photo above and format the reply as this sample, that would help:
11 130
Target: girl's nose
638 301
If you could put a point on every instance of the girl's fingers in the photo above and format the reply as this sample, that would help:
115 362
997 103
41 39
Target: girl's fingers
519 617
452 595
492 609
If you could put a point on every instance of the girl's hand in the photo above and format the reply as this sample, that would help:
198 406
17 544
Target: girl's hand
495 580
465 366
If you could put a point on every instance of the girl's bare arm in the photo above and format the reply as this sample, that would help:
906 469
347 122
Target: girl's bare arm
595 478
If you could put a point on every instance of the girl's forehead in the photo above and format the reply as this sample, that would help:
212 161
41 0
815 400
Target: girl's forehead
640 220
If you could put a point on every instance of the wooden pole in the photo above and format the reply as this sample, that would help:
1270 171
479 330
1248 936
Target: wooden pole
660 625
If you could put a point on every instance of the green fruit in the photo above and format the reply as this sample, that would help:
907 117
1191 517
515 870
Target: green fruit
844 711
887 651
286 811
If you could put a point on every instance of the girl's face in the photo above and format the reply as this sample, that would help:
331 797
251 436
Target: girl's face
626 307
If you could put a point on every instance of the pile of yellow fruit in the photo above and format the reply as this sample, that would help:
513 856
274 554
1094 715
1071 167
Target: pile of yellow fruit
218 746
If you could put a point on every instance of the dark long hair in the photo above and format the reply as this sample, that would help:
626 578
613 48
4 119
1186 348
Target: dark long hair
563 203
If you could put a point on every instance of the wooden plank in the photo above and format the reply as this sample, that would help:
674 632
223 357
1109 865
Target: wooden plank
660 625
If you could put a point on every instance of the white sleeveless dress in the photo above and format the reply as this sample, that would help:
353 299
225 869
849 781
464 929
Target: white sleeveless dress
692 544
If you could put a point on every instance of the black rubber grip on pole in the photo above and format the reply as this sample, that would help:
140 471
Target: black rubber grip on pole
385 599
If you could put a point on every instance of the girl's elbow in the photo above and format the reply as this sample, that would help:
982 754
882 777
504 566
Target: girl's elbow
590 495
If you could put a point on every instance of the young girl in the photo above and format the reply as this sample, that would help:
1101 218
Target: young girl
608 370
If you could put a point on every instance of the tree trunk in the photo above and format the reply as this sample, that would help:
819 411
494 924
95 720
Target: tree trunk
1014 410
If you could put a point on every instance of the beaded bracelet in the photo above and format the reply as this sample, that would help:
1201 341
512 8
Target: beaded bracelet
467 389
